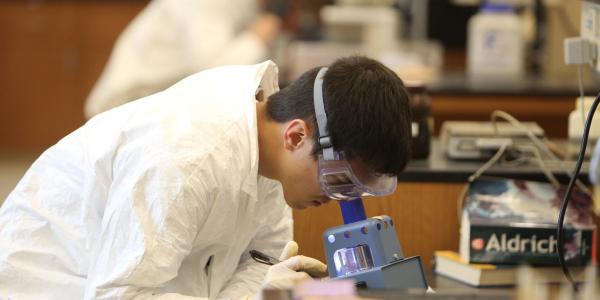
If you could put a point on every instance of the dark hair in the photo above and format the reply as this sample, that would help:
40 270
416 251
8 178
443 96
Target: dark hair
367 106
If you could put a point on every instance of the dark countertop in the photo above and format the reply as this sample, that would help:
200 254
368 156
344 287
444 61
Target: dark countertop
445 288
437 168
455 83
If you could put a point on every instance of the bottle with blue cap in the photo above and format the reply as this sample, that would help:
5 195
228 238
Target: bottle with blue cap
495 42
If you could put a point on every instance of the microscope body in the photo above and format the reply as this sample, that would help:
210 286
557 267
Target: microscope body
367 251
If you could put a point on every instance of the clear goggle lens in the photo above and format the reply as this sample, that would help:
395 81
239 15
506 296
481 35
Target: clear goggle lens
344 180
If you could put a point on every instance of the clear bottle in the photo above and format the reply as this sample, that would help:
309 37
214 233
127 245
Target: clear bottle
495 42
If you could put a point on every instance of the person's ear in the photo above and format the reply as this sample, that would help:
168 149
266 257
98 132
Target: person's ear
295 134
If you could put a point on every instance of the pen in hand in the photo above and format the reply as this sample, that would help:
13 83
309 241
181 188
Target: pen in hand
263 258
269 260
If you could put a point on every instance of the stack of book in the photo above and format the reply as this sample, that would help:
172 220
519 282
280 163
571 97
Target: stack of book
451 265
507 223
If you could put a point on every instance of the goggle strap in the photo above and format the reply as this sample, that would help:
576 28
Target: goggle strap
321 116
328 153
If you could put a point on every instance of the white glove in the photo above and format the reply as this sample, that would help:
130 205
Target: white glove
292 269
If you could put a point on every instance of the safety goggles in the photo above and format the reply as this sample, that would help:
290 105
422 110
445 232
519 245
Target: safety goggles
340 178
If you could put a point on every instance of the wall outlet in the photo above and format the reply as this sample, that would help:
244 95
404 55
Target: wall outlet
579 50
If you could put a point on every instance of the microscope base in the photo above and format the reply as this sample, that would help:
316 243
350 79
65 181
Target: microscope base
401 274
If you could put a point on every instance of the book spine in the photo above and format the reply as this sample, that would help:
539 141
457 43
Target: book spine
537 246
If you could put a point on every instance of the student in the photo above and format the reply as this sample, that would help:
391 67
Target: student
170 40
165 196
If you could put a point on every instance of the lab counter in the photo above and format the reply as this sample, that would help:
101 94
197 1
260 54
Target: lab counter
438 168
551 85
444 289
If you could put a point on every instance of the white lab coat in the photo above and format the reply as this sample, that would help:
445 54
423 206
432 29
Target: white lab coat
140 199
171 39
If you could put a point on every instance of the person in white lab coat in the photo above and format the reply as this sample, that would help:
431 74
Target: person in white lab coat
171 39
163 197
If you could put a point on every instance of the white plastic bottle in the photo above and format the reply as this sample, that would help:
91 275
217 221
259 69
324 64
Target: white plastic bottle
495 43
577 118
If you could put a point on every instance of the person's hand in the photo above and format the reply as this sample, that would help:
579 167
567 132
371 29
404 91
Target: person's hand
266 27
292 269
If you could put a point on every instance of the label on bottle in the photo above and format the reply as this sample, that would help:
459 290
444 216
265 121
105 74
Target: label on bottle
497 48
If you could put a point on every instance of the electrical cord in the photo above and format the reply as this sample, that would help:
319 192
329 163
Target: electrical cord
565 201
474 176
541 163
581 92
523 148
537 141
495 158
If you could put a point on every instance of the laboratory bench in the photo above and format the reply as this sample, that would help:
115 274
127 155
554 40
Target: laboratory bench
424 207
438 168
551 85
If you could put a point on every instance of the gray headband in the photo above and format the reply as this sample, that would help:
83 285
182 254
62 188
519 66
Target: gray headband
324 139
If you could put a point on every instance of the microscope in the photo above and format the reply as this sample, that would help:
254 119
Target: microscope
367 251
